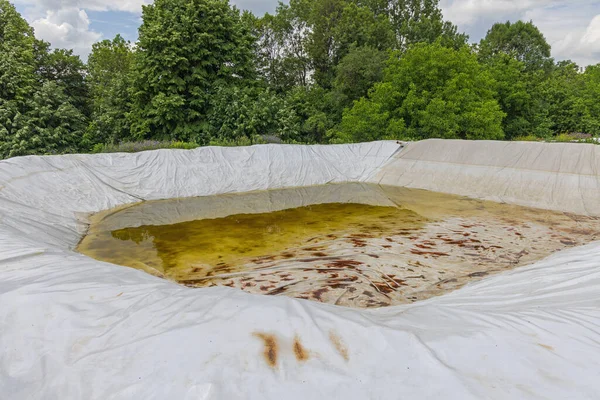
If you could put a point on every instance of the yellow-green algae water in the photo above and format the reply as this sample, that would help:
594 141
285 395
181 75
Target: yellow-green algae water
230 240
357 245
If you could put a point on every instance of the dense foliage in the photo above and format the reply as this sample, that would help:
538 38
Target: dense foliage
428 91
109 79
186 51
316 71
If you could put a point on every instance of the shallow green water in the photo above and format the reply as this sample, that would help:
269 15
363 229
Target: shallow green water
235 239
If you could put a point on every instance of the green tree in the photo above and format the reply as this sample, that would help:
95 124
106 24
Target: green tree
519 59
17 56
52 125
109 66
365 122
571 100
430 91
316 110
360 26
186 49
246 113
357 72
317 45
334 27
17 67
520 97
43 95
282 59
521 40
590 97
421 21
66 70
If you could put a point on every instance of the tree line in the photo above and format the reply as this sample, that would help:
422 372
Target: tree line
315 71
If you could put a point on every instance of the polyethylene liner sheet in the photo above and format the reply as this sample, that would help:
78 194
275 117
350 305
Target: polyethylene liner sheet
72 327
555 176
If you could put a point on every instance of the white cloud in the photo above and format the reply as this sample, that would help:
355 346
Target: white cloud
573 33
592 33
464 12
134 6
571 27
67 28
65 23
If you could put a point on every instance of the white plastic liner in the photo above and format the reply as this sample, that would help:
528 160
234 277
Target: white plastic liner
553 176
75 328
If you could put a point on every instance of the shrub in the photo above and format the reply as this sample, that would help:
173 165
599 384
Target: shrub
134 147
528 138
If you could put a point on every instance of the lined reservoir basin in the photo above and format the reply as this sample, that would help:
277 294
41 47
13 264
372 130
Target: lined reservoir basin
354 245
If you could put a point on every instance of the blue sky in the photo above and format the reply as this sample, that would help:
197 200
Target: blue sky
571 27
110 23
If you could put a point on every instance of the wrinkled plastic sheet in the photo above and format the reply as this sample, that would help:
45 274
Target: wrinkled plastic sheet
73 327
554 176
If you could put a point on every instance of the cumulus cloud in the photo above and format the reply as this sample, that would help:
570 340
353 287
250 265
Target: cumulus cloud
583 46
592 33
465 12
67 28
571 27
65 23
134 6
574 33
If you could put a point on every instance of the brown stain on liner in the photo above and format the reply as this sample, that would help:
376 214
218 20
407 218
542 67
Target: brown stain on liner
433 253
547 347
339 345
271 348
299 351
319 292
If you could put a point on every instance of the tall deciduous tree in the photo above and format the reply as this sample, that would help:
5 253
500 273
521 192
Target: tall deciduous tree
520 97
567 96
109 77
418 21
318 45
591 97
185 48
245 113
51 125
521 40
17 55
322 32
283 61
42 94
66 70
518 57
430 91
17 68
357 72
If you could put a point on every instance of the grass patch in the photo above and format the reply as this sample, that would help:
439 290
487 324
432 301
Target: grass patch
528 138
562 138
145 145
134 147
243 141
